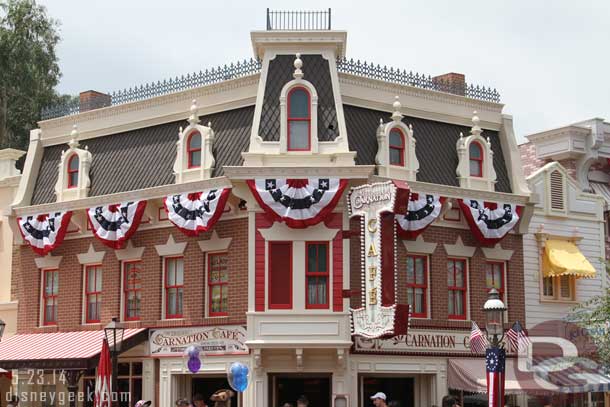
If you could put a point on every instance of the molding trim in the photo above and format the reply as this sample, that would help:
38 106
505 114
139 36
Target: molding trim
280 231
91 257
214 243
129 252
48 262
171 248
497 253
419 246
459 250
349 172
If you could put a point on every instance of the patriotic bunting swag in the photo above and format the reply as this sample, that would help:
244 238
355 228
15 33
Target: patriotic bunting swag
489 221
114 224
196 212
298 202
495 359
422 210
46 231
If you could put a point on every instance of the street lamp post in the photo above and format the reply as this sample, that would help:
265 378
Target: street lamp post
495 356
114 335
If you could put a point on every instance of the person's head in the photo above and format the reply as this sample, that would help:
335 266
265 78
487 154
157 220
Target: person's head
450 401
302 402
198 400
379 399
182 403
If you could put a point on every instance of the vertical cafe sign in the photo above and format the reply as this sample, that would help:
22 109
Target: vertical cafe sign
375 204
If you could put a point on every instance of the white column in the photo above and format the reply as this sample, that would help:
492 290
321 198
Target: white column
149 378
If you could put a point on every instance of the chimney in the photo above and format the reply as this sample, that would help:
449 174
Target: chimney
8 158
91 99
451 83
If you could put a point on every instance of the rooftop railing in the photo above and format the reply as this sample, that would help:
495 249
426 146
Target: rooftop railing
252 66
298 20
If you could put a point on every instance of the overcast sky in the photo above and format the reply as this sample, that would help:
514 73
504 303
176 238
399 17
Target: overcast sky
550 60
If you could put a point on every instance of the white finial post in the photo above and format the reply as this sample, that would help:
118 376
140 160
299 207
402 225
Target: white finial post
476 130
298 64
194 117
397 115
74 137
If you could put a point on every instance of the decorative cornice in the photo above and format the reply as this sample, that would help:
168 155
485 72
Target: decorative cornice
91 257
171 248
214 243
349 172
129 252
186 95
459 249
148 193
571 130
398 89
497 253
48 262
419 246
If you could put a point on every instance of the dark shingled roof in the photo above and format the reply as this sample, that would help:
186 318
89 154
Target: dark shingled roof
144 158
315 70
435 145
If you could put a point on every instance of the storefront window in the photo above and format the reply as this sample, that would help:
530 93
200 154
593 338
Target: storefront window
218 284
456 285
317 275
174 286
93 293
132 289
417 285
49 294
129 383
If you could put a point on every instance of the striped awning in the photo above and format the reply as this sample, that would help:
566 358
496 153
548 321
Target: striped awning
56 347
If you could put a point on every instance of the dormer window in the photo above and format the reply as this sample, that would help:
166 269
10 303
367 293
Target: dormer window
299 119
397 147
476 159
194 150
73 171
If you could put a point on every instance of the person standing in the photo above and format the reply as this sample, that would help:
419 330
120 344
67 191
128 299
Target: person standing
302 402
199 401
379 399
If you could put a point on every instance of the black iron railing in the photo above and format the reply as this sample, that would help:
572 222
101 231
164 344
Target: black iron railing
417 80
150 90
298 20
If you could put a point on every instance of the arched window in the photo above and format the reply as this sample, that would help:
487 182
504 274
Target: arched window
193 149
397 147
73 171
299 120
475 152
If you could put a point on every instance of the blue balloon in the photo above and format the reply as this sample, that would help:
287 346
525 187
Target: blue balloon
237 376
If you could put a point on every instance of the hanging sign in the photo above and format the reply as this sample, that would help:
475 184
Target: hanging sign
196 212
113 225
422 210
298 202
44 232
213 340
489 222
377 316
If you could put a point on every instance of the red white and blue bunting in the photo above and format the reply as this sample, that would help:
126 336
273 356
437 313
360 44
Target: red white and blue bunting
298 202
44 232
490 221
422 210
114 224
196 212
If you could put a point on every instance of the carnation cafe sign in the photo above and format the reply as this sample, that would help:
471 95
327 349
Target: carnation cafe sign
417 340
377 316
213 340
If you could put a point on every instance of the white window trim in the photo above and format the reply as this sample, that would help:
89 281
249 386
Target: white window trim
122 302
42 290
313 114
84 290
163 296
556 298
206 291
428 297
467 264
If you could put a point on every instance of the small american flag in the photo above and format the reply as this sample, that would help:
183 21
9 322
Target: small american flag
478 341
517 338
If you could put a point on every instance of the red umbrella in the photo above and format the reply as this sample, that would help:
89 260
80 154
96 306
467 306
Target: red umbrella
103 387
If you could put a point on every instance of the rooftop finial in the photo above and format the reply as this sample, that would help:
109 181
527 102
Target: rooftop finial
74 137
194 117
298 64
476 130
397 115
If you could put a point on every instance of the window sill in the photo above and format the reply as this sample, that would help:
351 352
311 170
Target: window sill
553 301
217 316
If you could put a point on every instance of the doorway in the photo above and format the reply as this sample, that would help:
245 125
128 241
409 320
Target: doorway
400 389
287 388
206 386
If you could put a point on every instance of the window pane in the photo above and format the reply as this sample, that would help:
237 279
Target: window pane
195 158
312 253
195 141
55 282
299 104
475 150
410 299
395 156
419 300
322 283
475 168
410 270
73 164
459 303
299 135
419 271
566 289
171 272
547 286
322 255
451 302
73 181
216 298
179 301
136 369
450 273
459 278
171 301
225 299
91 277
179 271
396 139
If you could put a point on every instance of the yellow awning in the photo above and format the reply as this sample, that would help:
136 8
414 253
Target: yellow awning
563 258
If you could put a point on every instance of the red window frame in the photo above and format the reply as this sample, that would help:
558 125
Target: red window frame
502 276
190 150
478 160
307 119
412 286
72 171
211 285
167 286
270 282
53 296
97 291
401 148
462 289
313 274
127 289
